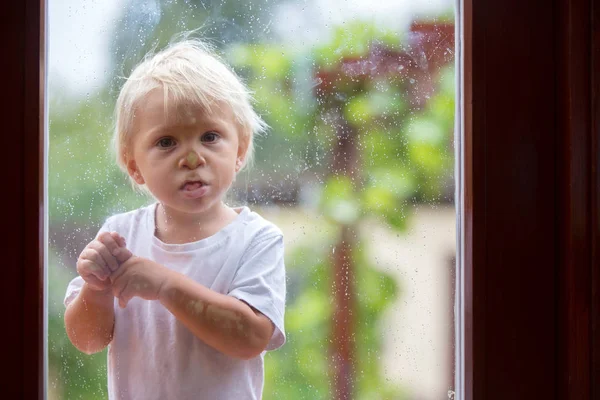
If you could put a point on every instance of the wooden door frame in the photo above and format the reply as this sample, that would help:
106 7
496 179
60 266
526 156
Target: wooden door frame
531 199
594 307
23 119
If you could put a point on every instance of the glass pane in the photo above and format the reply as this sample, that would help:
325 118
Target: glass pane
356 169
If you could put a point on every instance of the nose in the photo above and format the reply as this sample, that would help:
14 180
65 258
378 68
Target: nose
191 160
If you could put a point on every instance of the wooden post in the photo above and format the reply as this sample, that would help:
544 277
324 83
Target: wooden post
344 162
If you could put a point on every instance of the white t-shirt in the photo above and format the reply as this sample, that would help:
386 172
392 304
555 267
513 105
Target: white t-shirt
154 356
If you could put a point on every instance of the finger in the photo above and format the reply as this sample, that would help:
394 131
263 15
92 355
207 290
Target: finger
107 239
127 259
109 260
114 277
126 295
119 239
119 290
119 286
86 266
123 302
111 240
90 254
123 254
95 283
96 262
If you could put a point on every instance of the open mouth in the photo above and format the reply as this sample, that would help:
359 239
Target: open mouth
192 185
194 189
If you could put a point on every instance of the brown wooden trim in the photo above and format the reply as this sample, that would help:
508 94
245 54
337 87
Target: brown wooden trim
11 295
595 199
23 218
510 208
34 202
473 357
574 196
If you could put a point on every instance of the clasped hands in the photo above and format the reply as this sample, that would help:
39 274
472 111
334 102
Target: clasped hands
106 265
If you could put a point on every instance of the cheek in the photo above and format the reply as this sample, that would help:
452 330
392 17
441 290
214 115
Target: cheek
226 171
157 160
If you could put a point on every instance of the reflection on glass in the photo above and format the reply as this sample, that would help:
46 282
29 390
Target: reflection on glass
356 169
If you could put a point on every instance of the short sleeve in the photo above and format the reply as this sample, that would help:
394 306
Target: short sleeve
76 283
260 282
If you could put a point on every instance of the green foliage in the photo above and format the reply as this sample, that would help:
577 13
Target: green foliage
405 154
339 202
74 375
404 151
353 40
375 291
283 96
301 369
96 187
150 26
429 139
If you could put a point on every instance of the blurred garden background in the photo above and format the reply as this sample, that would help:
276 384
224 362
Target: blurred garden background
357 170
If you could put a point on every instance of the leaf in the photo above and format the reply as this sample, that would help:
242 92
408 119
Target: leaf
339 201
425 130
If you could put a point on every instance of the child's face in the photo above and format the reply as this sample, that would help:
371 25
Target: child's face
172 148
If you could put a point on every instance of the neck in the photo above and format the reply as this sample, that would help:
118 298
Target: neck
176 227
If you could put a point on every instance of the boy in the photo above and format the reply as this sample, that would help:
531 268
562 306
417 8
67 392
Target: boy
188 293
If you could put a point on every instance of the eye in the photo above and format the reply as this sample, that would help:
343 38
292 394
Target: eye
165 143
210 137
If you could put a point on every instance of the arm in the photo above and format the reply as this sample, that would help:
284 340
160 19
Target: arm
90 317
89 320
223 322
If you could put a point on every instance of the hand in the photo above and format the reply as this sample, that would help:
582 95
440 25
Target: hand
100 257
138 277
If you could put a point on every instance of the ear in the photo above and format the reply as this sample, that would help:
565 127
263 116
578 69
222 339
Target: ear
134 172
241 154
238 164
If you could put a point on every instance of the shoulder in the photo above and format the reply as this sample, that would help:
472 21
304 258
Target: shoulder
119 221
257 228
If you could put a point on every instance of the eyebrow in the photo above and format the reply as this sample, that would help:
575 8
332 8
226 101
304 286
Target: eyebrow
218 125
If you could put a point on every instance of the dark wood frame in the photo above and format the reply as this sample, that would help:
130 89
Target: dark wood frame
595 200
531 199
574 176
532 227
22 295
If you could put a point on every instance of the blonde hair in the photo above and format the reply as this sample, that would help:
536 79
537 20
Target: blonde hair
190 73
